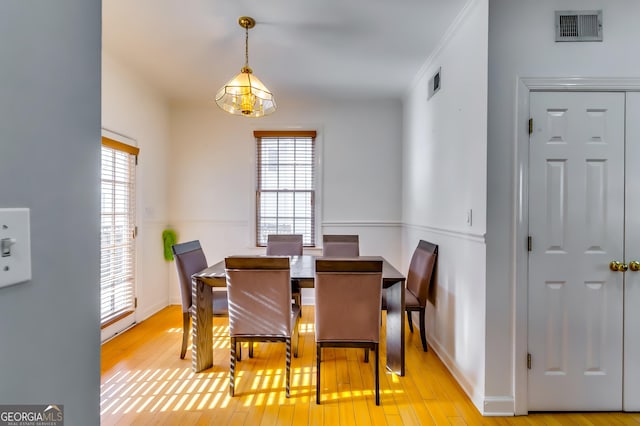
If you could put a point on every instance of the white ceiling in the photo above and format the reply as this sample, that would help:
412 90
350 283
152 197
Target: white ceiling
331 48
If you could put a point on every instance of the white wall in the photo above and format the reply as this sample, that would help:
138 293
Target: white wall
521 44
132 108
444 165
212 164
50 162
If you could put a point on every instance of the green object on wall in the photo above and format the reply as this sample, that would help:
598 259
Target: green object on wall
169 238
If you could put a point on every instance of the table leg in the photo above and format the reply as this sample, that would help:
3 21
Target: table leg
202 333
395 328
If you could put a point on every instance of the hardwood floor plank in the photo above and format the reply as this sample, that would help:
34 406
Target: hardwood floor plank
144 382
316 414
359 398
285 415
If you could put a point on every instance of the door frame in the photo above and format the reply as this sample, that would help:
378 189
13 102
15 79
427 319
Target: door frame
520 211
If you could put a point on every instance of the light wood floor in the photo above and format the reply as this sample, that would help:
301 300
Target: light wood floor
144 382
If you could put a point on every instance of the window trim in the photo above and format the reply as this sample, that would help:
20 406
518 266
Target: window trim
316 194
120 146
123 313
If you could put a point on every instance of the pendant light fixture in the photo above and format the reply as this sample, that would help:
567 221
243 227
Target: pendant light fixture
245 94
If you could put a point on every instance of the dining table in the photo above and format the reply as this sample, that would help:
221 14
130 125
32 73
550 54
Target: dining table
302 270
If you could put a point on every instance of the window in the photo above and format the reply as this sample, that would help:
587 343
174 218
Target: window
286 185
117 233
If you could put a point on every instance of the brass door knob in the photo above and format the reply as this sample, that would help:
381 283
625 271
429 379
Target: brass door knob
634 265
618 266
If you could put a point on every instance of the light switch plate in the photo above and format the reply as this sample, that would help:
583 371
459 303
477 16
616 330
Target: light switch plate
15 258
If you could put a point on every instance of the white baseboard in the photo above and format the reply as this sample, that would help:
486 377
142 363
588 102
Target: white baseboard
487 406
143 315
498 406
476 395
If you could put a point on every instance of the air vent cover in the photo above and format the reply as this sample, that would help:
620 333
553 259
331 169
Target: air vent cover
434 83
584 25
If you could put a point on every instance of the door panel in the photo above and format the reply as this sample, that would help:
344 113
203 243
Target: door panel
631 392
576 218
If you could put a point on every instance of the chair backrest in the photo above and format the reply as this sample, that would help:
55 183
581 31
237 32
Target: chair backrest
348 296
421 270
284 245
189 259
340 246
259 292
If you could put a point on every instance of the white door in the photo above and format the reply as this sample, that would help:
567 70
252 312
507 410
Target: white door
576 224
631 393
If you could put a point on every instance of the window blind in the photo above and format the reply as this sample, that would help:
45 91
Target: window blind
285 185
117 236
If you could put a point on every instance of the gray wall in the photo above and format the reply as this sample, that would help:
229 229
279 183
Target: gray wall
50 162
521 44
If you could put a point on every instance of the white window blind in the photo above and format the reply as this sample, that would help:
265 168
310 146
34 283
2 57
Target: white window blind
286 185
117 242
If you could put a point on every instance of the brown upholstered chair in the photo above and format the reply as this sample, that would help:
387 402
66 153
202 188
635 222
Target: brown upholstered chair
284 245
287 245
419 278
260 308
340 246
190 259
347 314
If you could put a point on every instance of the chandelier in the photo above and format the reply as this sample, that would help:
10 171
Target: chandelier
245 94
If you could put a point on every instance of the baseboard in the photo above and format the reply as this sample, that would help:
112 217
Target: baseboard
143 315
308 297
492 406
498 406
476 397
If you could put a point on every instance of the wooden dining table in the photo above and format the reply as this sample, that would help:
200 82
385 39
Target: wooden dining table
303 271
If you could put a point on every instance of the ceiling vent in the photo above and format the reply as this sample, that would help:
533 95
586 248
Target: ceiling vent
583 25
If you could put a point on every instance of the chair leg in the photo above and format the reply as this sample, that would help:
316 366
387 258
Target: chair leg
288 368
297 298
377 373
318 355
296 331
232 367
366 354
297 295
250 349
238 351
423 331
185 333
409 320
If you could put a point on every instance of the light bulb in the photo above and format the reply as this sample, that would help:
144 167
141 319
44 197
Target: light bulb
246 103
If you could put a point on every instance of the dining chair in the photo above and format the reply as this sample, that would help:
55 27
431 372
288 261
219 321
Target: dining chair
284 245
287 245
190 259
260 308
347 313
340 246
419 279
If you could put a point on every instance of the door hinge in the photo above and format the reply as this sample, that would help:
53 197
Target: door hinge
135 232
137 157
529 243
530 125
135 302
529 361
